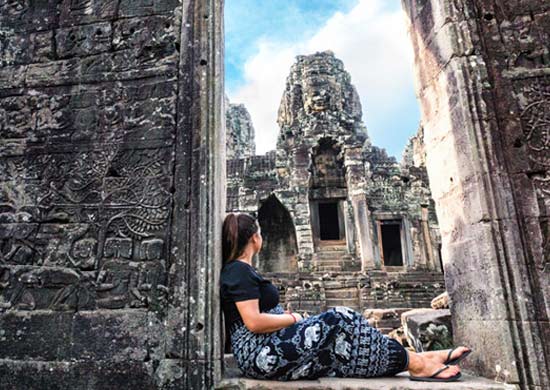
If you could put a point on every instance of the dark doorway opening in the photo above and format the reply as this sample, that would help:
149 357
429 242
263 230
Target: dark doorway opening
391 243
280 247
328 221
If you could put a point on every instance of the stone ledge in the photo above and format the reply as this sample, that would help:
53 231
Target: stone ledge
399 382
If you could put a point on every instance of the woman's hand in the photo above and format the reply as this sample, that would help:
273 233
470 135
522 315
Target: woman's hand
257 322
298 316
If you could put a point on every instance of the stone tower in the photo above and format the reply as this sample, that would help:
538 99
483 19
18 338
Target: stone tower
240 131
326 159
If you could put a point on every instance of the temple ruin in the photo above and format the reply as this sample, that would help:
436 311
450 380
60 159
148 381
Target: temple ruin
112 187
343 223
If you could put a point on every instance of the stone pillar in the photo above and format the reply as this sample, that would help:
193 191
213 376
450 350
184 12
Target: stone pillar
349 226
194 329
482 80
406 243
363 233
428 247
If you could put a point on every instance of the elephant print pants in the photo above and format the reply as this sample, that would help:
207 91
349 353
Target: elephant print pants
338 342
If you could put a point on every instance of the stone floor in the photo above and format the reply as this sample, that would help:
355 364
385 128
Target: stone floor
400 382
232 381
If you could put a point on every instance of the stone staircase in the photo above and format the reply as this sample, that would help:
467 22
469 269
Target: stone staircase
343 297
410 289
335 258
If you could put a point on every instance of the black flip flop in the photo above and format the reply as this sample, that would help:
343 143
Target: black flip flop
457 360
433 377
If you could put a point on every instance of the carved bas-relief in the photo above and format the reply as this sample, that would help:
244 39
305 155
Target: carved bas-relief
104 108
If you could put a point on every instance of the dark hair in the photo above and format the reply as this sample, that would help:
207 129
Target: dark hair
236 231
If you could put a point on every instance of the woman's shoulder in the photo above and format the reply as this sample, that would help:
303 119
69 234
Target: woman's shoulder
237 264
236 268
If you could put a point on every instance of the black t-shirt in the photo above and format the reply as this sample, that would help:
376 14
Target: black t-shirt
239 281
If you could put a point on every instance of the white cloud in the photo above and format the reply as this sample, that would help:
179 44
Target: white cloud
370 40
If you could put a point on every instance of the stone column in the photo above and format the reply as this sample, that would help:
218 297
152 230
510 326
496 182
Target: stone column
406 243
428 247
362 222
482 82
349 226
194 318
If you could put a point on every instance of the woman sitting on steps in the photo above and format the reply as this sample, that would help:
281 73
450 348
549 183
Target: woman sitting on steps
269 343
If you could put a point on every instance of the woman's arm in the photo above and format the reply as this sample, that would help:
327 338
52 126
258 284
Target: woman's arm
261 322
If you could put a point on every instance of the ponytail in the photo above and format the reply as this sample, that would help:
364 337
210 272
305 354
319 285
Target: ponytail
236 231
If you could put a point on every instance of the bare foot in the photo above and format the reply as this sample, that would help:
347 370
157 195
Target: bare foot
441 356
427 367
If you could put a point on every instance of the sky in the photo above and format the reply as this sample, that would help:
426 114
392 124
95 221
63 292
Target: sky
263 37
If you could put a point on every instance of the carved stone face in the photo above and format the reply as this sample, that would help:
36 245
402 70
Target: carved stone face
320 101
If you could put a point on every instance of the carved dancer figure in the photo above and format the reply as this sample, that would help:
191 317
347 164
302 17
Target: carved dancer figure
271 343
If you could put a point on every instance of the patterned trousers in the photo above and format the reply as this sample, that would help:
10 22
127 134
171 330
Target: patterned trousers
338 342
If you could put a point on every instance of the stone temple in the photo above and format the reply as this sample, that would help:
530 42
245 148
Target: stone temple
343 223
113 191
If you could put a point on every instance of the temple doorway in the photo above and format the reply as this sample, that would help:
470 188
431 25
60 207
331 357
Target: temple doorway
390 243
329 221
327 218
279 248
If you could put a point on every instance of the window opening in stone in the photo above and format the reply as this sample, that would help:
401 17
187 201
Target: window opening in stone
391 243
279 247
329 221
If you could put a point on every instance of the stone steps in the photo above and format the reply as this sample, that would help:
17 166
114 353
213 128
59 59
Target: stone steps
335 259
332 248
342 293
332 268
352 304
332 253
343 297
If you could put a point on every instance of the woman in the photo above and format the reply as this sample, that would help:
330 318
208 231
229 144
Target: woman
269 343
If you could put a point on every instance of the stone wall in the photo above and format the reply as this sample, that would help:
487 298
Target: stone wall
110 113
482 77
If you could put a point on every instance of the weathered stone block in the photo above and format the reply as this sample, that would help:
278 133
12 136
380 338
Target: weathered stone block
29 15
490 341
40 335
441 301
111 335
77 375
85 12
428 329
145 7
17 48
83 40
145 33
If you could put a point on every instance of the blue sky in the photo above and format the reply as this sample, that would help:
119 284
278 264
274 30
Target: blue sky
262 38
